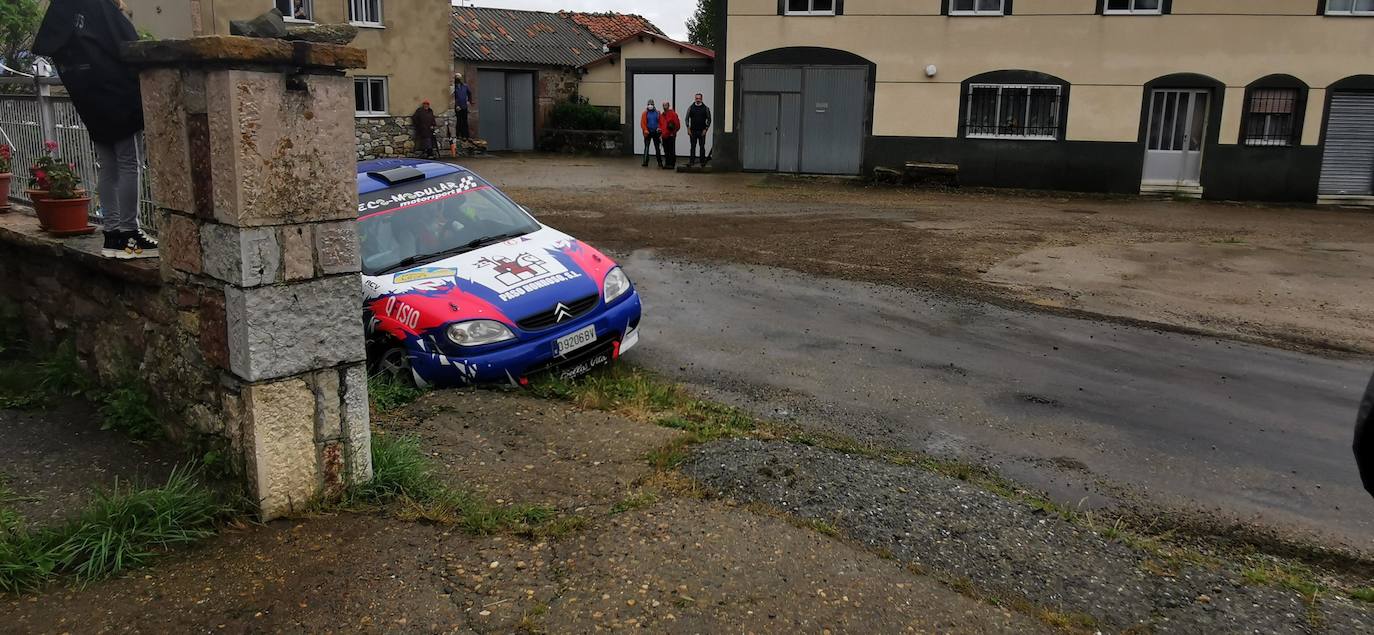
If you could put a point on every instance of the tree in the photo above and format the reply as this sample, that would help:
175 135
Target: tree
704 27
18 23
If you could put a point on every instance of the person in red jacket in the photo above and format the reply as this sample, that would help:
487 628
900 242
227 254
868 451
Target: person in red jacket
671 124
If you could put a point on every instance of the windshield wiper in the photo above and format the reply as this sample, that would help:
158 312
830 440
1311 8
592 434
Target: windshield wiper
411 261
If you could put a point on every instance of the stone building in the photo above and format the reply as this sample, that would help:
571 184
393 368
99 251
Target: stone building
407 44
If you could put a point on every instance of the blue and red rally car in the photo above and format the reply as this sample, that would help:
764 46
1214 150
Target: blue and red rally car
463 286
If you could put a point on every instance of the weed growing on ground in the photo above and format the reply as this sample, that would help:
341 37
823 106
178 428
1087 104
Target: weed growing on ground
1363 594
21 387
119 530
128 408
388 393
1294 577
404 483
635 501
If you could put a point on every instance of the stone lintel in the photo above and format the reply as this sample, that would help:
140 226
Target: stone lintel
235 51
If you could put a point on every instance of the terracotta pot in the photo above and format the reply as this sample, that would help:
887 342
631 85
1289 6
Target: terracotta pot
64 216
36 196
5 192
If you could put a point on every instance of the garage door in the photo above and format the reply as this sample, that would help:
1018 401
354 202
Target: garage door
1348 161
677 88
803 118
505 109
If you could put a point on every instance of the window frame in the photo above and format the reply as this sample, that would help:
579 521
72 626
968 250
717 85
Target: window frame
967 115
834 9
309 10
1004 9
1166 7
381 14
1345 13
386 96
1275 82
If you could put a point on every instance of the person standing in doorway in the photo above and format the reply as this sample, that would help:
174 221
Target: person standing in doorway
83 38
424 123
462 98
671 124
649 124
698 122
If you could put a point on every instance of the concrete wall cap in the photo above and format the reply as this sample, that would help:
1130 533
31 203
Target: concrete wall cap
241 52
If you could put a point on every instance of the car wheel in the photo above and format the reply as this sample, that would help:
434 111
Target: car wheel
393 362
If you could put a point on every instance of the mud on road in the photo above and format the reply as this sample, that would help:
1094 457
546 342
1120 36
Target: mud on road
1291 275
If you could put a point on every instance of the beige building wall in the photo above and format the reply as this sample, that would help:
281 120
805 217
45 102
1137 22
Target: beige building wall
412 48
604 83
1106 59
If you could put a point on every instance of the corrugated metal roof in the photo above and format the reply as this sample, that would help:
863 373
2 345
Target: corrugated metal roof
523 37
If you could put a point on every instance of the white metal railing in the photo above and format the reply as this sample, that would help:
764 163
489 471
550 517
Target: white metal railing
30 118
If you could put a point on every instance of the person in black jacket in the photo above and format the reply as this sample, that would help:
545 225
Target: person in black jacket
83 38
698 122
1364 438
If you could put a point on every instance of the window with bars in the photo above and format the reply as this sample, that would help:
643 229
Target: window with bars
296 10
1350 7
976 7
1133 7
369 96
1271 116
810 7
365 12
1010 111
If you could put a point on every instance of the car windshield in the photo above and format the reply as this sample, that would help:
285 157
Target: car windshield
423 221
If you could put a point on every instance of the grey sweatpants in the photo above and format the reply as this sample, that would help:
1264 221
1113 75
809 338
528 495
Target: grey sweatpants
118 187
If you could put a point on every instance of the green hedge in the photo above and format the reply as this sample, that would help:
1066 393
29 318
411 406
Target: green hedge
576 116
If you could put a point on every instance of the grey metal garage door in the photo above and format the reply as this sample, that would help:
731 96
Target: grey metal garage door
505 109
1348 161
803 119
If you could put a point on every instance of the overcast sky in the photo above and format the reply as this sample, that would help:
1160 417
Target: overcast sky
671 16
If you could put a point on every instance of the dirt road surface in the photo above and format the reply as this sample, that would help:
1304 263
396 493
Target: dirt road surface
1290 275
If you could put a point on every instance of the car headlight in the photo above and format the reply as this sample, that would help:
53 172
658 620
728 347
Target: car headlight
616 284
478 333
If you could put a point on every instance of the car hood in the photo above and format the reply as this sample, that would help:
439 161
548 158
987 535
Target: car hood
507 281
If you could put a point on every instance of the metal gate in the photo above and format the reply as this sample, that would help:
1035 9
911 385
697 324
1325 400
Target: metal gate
505 109
1348 161
803 119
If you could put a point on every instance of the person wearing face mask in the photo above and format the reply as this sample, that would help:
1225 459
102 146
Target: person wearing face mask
649 124
698 122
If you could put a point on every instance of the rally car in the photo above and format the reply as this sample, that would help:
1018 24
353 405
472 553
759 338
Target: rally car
462 286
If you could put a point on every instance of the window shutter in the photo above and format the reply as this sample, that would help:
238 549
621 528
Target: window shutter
782 7
1166 7
944 7
839 7
1006 7
1101 7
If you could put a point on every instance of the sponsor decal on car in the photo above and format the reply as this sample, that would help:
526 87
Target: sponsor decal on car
424 273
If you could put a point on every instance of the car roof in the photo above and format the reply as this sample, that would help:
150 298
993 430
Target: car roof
369 183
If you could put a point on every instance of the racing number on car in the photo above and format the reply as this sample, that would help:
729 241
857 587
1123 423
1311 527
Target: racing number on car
403 313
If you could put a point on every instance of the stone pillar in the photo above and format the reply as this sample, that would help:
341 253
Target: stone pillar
251 156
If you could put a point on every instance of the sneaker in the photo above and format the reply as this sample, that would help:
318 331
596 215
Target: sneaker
112 247
134 244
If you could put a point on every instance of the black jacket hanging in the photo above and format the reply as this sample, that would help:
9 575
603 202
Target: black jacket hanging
83 38
1364 438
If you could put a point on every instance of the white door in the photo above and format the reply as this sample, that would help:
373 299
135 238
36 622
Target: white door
687 86
1174 138
647 86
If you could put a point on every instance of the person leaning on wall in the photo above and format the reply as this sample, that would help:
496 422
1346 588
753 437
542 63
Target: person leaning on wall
83 38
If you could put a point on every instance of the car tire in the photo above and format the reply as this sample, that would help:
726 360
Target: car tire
392 361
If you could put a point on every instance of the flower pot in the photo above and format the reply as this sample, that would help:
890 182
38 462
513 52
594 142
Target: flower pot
64 216
5 192
36 196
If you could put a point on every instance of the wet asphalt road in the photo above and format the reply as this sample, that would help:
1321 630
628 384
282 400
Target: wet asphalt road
1093 412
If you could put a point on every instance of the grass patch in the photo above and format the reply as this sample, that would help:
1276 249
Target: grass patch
404 483
1363 594
389 394
21 386
636 501
1293 577
119 530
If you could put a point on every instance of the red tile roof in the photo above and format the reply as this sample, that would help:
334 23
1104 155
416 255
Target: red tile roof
612 27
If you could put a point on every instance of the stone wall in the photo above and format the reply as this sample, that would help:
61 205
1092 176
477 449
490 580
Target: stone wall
385 137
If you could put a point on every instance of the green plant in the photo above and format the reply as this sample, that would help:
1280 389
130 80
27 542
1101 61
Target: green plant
57 177
121 529
61 372
388 393
636 501
128 408
1363 594
575 115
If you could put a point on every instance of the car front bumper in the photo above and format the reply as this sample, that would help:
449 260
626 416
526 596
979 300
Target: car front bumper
616 332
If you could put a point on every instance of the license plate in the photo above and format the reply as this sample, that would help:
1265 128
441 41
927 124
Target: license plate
569 343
